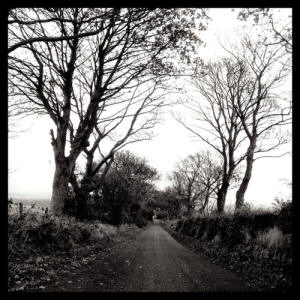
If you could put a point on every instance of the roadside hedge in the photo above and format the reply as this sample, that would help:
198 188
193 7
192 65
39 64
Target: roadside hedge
236 228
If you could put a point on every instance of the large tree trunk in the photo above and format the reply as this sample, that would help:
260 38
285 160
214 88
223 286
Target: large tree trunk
221 197
81 198
86 187
89 184
240 194
59 188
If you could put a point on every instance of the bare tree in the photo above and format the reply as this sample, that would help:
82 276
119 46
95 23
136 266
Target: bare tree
74 77
244 104
35 18
135 120
196 180
217 122
257 71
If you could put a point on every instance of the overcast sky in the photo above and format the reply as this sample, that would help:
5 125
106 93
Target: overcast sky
31 158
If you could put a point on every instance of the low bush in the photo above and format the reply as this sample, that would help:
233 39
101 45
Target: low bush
171 224
262 222
193 229
211 228
140 221
178 225
147 214
161 215
39 244
201 229
186 226
35 233
284 219
239 228
257 244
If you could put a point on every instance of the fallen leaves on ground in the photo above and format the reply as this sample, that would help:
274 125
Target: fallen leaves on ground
35 272
258 267
38 272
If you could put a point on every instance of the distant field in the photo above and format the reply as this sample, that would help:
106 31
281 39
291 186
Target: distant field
38 202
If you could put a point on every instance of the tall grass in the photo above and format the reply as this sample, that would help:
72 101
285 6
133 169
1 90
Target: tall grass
273 238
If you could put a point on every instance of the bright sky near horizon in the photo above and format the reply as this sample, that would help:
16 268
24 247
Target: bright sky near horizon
32 163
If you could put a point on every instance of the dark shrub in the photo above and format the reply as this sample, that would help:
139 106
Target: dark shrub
201 227
85 235
284 218
232 229
212 228
236 231
161 215
140 221
42 234
135 207
194 228
245 220
262 222
46 237
178 225
186 226
225 229
147 214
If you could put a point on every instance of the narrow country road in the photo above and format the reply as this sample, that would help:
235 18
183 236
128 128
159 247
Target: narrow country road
150 261
156 262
